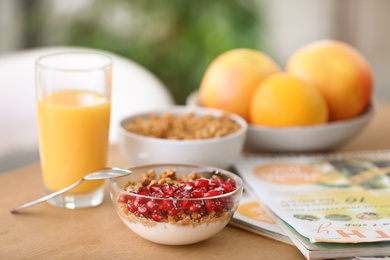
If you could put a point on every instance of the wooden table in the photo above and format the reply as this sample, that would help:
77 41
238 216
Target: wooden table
45 231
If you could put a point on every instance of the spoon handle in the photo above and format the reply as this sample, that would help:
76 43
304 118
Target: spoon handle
47 197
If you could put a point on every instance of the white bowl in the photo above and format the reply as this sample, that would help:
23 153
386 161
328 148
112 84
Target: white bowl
219 152
317 138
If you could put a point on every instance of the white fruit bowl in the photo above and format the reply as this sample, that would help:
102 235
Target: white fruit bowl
319 138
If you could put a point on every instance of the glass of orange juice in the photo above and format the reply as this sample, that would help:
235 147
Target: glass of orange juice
73 101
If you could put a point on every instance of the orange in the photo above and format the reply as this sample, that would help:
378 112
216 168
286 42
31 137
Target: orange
339 71
285 100
230 80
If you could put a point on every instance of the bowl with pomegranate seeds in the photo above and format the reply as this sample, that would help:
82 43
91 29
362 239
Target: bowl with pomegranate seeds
181 134
176 204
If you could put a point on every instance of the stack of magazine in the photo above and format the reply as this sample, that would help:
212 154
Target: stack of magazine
334 205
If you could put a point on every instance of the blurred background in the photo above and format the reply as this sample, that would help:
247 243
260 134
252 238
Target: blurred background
176 40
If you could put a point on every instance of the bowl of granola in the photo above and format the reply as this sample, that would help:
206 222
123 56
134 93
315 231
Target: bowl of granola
176 204
182 134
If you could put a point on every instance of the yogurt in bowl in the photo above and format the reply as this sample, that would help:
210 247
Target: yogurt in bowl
176 204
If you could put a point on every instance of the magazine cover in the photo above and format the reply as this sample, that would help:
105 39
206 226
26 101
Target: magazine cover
338 198
340 251
253 216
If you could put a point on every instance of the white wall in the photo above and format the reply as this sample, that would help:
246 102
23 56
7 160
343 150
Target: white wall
11 31
367 27
291 24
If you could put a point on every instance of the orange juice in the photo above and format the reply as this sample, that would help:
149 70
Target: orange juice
73 135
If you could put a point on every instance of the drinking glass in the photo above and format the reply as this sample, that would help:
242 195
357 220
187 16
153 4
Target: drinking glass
73 92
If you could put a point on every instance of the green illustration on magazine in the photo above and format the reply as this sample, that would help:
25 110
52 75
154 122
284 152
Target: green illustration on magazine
324 199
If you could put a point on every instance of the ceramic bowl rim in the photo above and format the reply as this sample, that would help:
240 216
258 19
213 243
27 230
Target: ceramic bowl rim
239 185
368 112
178 109
192 100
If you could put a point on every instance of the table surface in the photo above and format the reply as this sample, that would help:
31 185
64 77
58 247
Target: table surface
45 231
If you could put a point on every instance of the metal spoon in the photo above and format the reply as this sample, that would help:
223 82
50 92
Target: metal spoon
98 175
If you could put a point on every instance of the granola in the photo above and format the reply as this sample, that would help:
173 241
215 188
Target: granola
183 127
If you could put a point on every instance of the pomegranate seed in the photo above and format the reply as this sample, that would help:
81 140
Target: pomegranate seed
222 200
131 198
202 211
227 187
212 193
182 194
173 212
189 183
143 210
210 206
123 198
219 206
144 191
231 182
199 193
186 188
217 181
154 188
186 194
178 194
195 207
138 201
212 187
131 207
156 216
152 206
138 214
168 190
201 183
177 204
186 204
166 205
159 194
